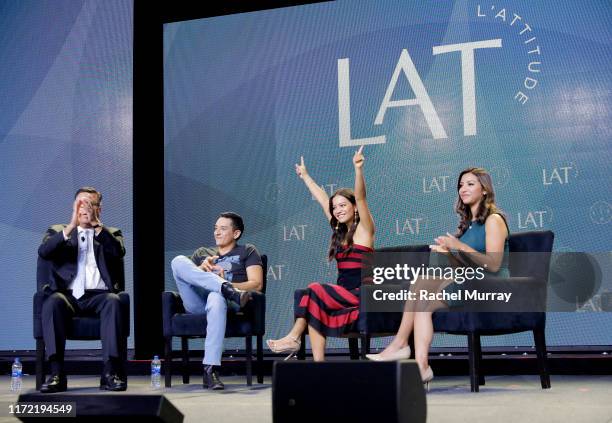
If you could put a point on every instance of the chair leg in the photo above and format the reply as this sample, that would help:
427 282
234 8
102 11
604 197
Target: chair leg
40 363
185 353
473 362
260 362
365 345
540 344
249 359
168 362
481 378
301 355
354 348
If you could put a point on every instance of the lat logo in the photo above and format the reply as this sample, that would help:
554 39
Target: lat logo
534 219
435 184
558 175
275 272
294 232
405 66
410 226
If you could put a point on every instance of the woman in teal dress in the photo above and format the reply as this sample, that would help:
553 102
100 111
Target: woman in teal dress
481 239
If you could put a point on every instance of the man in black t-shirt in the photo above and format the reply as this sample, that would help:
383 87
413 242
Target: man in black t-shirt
213 277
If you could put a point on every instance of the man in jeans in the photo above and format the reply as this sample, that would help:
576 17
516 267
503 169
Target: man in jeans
214 276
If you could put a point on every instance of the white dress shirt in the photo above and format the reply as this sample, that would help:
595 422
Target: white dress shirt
88 276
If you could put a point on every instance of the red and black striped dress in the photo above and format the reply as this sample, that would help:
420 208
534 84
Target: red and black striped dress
333 309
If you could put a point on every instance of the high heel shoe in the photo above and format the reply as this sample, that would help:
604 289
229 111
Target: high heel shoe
401 354
291 350
426 377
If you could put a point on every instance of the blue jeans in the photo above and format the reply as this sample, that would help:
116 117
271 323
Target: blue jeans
201 294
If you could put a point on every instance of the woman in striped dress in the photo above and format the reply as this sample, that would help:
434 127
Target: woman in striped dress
333 309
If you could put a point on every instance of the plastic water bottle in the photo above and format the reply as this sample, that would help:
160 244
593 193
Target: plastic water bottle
16 375
156 373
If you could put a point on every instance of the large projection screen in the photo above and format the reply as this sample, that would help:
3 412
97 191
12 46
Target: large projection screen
430 88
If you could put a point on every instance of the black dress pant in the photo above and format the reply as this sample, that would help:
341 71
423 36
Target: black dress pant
59 308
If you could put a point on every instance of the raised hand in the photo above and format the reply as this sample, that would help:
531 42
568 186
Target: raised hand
358 158
300 169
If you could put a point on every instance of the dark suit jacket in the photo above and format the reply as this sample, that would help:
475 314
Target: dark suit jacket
63 254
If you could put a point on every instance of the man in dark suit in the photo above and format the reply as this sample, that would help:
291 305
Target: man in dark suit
86 259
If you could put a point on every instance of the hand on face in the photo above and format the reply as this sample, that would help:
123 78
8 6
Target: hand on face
86 210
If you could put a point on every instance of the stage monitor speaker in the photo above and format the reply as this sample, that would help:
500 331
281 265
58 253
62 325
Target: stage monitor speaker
102 407
348 391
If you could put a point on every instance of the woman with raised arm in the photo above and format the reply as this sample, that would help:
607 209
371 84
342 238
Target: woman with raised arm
333 309
481 240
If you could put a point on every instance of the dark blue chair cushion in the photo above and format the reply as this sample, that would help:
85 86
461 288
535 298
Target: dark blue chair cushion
177 322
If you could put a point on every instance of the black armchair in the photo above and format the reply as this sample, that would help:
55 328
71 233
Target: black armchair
81 328
249 322
528 272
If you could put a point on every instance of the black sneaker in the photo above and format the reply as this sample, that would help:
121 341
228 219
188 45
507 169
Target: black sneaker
55 383
111 382
237 296
211 379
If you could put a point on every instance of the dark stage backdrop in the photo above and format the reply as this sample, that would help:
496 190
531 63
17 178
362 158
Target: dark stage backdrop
523 89
65 121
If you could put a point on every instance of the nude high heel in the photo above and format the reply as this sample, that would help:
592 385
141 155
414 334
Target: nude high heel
401 354
291 350
427 376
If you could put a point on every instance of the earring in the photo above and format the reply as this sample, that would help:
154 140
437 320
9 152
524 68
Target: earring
337 225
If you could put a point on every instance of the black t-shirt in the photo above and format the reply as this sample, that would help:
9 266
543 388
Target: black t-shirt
234 263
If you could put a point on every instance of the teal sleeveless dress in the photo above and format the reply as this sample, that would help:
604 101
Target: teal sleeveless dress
475 236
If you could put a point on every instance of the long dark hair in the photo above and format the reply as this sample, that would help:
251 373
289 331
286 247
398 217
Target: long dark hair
487 205
340 231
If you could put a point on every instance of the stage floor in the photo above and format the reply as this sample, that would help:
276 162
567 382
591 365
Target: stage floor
504 399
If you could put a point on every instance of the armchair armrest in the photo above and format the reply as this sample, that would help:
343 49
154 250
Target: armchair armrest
258 309
297 296
171 305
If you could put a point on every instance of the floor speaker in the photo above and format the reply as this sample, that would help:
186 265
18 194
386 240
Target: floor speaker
98 408
348 391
